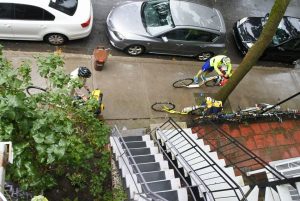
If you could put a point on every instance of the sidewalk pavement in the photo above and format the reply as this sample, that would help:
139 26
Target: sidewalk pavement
132 84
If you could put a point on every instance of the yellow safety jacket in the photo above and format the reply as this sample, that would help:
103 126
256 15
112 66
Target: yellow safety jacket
216 62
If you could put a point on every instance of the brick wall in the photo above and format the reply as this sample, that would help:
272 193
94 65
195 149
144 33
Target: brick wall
269 140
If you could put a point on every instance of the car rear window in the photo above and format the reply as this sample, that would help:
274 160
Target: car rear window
66 6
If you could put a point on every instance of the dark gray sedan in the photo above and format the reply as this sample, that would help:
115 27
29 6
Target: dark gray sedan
170 27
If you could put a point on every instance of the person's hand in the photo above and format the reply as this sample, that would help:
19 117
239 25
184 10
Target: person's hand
226 76
87 88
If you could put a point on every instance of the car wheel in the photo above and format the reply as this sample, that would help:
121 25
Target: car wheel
56 39
204 56
135 50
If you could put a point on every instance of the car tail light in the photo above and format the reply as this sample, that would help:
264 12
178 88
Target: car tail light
86 24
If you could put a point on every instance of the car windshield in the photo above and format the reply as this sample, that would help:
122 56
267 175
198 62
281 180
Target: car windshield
66 6
282 33
156 16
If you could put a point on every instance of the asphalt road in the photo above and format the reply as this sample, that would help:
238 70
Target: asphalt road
232 10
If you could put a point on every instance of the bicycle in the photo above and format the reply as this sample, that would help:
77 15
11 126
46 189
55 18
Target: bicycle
212 81
95 94
169 108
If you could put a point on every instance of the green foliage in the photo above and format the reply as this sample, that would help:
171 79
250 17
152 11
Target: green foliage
51 138
117 194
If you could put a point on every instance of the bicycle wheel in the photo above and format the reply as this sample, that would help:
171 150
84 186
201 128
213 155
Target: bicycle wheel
162 106
34 90
183 83
199 111
211 83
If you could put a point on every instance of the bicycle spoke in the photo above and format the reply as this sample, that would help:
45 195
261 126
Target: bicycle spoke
211 81
183 83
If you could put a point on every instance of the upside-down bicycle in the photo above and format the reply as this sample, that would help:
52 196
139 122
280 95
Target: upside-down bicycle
169 108
94 94
212 81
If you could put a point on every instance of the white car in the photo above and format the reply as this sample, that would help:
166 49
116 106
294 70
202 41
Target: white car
54 21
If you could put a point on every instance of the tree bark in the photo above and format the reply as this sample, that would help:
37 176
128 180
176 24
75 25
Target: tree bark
256 51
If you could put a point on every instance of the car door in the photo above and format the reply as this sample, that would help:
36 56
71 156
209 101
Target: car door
30 22
170 42
6 15
286 52
198 41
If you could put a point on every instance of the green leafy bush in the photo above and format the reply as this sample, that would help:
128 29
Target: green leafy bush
51 138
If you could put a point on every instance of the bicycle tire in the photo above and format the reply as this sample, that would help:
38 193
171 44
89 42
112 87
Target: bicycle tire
30 88
161 106
211 83
183 83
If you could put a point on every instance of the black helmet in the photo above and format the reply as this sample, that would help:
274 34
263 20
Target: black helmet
84 72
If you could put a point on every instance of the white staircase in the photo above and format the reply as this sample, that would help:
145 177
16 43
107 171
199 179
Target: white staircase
204 167
156 180
216 179
147 174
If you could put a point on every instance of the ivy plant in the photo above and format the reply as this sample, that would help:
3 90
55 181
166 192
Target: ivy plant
51 137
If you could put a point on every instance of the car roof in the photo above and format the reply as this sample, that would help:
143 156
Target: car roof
196 15
294 28
29 2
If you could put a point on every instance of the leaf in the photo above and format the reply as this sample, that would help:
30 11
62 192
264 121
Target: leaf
50 158
20 148
62 143
10 114
59 152
2 80
8 129
14 101
41 149
38 138
50 139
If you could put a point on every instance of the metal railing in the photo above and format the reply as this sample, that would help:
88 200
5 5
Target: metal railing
154 195
152 134
239 156
116 134
170 126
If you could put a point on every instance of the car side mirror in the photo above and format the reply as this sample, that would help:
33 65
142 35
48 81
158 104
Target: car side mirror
267 15
164 38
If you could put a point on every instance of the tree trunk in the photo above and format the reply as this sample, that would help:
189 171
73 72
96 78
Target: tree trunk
256 50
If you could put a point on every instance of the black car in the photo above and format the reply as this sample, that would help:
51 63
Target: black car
285 45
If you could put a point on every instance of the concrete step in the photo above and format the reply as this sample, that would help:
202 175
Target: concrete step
134 144
147 158
136 138
143 151
133 132
156 175
175 195
163 185
151 167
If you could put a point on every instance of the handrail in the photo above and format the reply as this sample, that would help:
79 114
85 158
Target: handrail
148 191
271 169
191 170
121 156
214 165
241 148
174 166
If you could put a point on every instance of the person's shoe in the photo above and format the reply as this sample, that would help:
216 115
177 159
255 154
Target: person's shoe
196 80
